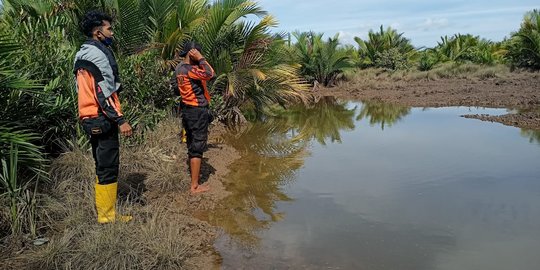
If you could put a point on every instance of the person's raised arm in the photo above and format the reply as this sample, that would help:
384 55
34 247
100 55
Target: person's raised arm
203 71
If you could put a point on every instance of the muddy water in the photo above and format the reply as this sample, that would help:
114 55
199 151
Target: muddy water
344 185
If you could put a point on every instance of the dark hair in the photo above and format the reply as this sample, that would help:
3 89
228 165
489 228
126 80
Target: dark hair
93 19
188 46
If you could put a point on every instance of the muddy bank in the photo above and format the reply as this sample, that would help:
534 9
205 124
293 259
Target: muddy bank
517 91
213 170
182 208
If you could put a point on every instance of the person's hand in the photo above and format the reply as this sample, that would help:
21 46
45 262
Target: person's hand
195 55
125 129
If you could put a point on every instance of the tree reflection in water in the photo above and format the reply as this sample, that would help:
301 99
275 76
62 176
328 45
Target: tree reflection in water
271 152
533 135
385 114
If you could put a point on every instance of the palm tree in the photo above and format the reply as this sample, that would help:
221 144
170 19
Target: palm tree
322 61
524 46
21 160
457 48
247 59
381 42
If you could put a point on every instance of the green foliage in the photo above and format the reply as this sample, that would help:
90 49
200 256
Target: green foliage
22 166
129 28
322 61
453 49
21 160
250 63
391 59
147 95
468 48
428 59
388 44
524 46
143 76
148 35
46 49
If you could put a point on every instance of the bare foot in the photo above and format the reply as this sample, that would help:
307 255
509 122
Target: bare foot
199 189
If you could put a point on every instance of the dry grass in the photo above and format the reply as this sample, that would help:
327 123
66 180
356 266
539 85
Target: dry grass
376 78
163 235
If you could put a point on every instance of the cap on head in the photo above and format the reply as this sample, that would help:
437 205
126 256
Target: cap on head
188 46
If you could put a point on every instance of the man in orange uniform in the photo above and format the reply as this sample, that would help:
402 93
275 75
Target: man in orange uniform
190 79
98 85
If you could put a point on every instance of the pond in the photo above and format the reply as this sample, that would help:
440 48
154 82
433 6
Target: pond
347 185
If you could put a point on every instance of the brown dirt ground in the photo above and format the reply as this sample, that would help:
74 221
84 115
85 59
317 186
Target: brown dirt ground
520 91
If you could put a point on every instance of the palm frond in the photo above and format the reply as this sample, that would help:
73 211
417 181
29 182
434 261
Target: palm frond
130 29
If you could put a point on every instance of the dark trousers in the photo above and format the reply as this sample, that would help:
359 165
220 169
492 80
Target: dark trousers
195 121
106 153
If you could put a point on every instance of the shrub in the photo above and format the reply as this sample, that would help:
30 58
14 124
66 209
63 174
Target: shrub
391 59
379 43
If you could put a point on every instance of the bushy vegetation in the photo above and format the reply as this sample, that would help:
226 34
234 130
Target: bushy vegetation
38 41
322 61
385 49
391 51
524 45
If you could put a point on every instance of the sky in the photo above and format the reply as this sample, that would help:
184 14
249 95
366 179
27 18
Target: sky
423 22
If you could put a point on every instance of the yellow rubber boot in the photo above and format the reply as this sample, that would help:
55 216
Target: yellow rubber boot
106 203
184 136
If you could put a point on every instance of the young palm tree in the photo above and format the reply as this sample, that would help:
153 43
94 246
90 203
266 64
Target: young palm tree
381 42
524 46
21 160
458 48
242 53
247 59
322 61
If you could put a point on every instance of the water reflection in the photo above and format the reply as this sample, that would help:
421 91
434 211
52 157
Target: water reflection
321 121
453 202
271 152
385 114
533 135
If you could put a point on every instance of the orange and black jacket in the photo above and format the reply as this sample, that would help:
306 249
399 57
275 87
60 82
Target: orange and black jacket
98 83
190 81
92 101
